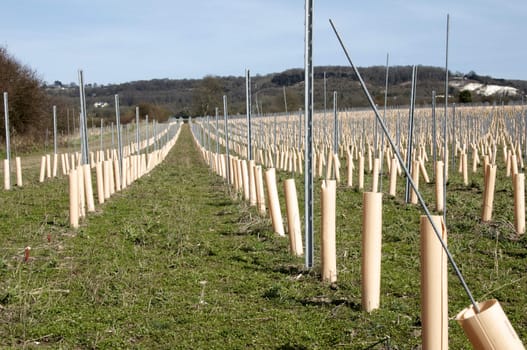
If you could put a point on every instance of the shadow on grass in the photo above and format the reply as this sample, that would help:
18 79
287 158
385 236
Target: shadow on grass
292 347
326 301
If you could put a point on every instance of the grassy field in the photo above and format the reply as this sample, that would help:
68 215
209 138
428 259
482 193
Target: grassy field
178 261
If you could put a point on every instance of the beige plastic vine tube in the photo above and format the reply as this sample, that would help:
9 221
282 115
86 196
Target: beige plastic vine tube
274 203
490 329
7 175
42 169
439 185
371 250
252 184
100 182
328 254
434 285
519 203
18 165
488 199
260 196
293 218
74 198
393 177
88 188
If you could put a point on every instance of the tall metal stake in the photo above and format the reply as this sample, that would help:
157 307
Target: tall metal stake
285 100
7 140
434 126
287 119
217 135
453 146
299 128
325 127
248 111
154 122
410 135
445 146
525 132
101 134
119 138
55 130
137 129
68 123
83 120
146 135
226 130
275 142
335 125
381 155
308 107
209 147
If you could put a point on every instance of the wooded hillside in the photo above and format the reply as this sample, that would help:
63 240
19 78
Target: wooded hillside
183 97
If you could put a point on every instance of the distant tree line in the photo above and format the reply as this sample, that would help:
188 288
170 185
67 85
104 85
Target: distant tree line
195 97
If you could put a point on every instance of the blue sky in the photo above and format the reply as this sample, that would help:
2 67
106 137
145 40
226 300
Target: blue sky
123 40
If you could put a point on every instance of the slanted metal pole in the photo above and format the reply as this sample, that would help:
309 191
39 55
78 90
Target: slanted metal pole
405 169
308 107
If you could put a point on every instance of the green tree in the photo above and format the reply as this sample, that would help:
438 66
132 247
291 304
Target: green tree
465 96
29 106
207 96
154 112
